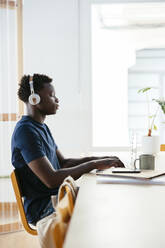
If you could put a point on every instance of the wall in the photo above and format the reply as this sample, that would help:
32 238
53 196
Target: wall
57 42
85 56
51 46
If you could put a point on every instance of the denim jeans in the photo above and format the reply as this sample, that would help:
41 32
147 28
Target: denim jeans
47 211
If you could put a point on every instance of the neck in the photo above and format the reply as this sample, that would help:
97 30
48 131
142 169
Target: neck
35 114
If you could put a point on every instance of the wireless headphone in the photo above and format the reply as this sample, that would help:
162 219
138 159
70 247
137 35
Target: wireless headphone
34 99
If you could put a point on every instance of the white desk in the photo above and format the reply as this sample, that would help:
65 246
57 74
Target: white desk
117 216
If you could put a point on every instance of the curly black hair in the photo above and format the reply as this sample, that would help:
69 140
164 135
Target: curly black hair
38 83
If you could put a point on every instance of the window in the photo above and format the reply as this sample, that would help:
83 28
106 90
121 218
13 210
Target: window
127 54
10 109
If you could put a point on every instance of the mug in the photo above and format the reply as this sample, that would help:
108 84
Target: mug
146 162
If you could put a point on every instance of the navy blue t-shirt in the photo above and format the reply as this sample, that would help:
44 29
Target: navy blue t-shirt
32 140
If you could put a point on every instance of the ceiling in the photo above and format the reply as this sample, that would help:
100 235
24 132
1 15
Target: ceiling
132 16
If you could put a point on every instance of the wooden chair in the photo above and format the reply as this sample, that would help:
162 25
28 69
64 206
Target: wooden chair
73 184
53 228
64 209
19 195
66 199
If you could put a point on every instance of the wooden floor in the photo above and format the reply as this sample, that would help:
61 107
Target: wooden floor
20 239
9 218
9 221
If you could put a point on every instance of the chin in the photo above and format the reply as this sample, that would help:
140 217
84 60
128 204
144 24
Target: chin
50 113
53 112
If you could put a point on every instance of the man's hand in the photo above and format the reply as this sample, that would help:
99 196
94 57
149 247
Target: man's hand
112 157
106 163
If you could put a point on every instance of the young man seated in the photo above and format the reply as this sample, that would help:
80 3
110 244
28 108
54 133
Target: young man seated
35 155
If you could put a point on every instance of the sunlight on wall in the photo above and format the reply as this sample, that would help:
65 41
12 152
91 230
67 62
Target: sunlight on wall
111 59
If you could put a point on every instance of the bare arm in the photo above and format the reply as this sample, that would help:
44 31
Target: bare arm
43 169
71 162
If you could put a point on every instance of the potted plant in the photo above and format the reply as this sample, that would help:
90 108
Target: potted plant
151 143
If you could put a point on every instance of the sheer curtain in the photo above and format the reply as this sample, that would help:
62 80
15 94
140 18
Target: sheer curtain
10 64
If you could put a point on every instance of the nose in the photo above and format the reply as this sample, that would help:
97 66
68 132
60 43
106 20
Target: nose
56 100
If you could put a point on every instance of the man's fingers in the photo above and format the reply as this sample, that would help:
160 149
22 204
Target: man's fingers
118 164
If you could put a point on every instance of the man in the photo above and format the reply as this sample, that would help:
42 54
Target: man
35 155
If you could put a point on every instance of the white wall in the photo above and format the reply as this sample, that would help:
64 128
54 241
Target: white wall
86 58
51 46
57 42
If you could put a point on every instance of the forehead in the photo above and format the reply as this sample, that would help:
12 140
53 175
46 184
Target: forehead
47 88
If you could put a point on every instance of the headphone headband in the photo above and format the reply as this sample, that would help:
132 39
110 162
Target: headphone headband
31 85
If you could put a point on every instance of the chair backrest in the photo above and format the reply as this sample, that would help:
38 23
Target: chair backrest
73 184
18 195
66 199
60 230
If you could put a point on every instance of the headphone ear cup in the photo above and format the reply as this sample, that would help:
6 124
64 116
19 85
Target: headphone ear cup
34 99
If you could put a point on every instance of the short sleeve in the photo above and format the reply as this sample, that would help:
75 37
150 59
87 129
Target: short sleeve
29 142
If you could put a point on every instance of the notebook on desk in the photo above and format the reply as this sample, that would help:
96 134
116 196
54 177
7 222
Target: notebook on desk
144 174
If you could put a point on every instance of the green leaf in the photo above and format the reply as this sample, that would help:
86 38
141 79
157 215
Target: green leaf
161 103
144 90
155 127
151 116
